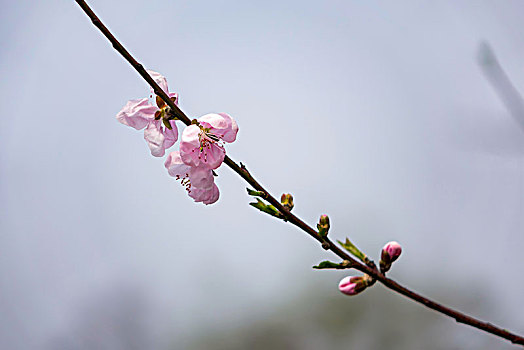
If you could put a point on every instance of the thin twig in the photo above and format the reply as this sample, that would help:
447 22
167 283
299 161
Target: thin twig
500 81
326 243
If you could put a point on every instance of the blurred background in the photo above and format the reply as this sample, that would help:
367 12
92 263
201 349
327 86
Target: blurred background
401 120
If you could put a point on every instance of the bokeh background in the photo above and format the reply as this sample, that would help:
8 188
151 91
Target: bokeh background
401 120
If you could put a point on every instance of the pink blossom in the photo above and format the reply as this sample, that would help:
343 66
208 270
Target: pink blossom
352 285
160 133
198 181
203 143
393 250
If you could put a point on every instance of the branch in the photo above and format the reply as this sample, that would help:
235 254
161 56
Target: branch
288 216
500 81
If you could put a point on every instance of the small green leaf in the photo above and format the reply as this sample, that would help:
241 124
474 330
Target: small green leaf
329 265
273 210
259 205
350 247
266 208
255 193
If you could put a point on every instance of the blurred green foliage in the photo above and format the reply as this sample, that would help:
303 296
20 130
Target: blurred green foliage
377 319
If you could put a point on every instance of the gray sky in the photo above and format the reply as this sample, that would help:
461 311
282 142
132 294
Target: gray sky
377 114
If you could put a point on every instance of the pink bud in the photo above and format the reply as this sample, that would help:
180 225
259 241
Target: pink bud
352 285
393 250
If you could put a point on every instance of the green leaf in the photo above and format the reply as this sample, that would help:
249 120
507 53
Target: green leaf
259 205
350 247
266 208
255 193
329 265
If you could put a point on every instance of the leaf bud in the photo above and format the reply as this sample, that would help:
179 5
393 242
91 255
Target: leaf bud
287 201
323 225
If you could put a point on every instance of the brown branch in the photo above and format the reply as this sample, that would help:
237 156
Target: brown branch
326 243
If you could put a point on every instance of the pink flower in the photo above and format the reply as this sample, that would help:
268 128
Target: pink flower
202 143
198 181
392 250
352 285
160 133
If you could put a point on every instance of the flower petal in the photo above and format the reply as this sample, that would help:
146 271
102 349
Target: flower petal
171 135
214 121
137 113
201 177
213 155
159 79
190 145
221 125
231 134
208 196
198 194
155 138
175 167
214 196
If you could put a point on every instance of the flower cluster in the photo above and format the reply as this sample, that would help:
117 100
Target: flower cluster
201 145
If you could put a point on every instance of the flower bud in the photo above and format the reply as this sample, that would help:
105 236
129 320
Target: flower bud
352 285
390 253
323 225
392 250
287 201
